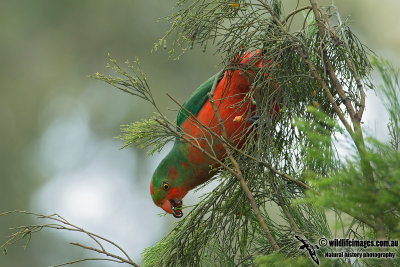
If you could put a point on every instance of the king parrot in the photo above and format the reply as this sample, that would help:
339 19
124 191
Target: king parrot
185 166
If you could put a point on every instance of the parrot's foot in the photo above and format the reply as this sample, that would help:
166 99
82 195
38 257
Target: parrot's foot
254 119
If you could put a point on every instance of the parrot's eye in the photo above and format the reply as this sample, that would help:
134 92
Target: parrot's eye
165 186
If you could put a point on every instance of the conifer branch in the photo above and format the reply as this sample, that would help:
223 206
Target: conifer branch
61 223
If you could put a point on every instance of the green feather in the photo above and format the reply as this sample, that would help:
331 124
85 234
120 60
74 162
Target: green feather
196 100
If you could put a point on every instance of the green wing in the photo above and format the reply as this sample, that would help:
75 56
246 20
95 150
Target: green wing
197 99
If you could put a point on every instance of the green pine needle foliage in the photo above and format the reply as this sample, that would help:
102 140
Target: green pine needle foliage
145 134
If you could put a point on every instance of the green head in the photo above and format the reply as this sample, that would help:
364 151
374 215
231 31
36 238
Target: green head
171 181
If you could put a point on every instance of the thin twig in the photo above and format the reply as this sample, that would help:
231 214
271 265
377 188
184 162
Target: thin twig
105 253
92 235
296 11
62 225
87 259
283 205
238 172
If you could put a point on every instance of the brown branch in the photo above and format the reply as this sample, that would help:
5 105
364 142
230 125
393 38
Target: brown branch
328 64
283 205
214 85
87 259
327 91
361 219
105 253
284 175
79 229
338 42
360 87
295 12
92 235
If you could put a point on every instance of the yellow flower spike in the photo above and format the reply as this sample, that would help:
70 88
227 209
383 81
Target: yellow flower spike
315 103
234 4
237 119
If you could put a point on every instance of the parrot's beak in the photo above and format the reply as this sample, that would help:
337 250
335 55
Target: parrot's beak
176 207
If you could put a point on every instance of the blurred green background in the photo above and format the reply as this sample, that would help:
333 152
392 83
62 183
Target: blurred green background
57 151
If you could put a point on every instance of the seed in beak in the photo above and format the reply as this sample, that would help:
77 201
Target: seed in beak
176 207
